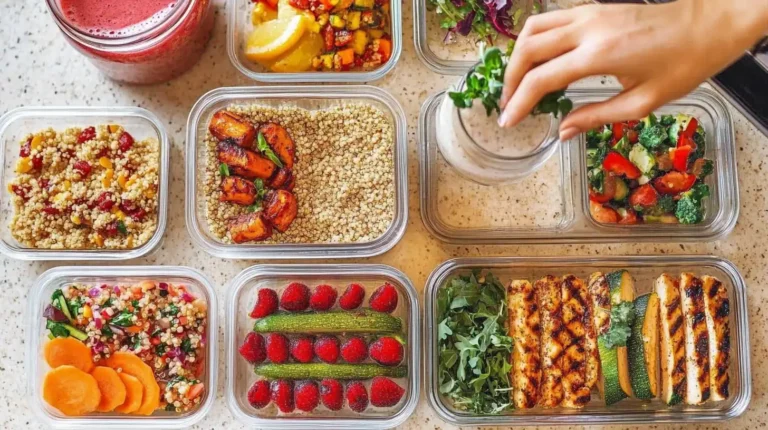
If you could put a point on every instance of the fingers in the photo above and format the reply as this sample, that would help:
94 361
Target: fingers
546 21
634 103
551 76
533 50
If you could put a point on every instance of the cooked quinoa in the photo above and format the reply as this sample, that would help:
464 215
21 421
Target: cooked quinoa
344 173
85 188
161 323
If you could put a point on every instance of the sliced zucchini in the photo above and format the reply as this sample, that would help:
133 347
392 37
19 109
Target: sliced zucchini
672 334
643 347
622 190
608 383
622 290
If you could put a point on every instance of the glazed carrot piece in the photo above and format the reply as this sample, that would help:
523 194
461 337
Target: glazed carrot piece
112 389
134 393
244 162
249 227
281 142
71 391
63 351
226 125
132 365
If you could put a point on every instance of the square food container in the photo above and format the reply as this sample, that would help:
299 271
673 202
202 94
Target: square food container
16 124
645 269
39 297
456 56
241 296
306 97
239 26
552 204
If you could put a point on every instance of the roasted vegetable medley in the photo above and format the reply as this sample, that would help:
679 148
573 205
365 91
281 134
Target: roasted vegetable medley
650 171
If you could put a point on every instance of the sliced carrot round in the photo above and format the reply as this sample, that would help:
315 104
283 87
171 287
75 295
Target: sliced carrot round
71 391
68 351
132 365
134 392
111 387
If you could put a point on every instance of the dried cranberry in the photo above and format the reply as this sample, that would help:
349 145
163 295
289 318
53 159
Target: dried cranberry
20 191
128 206
43 183
83 167
300 4
68 154
26 148
138 214
110 230
37 162
105 201
86 135
126 141
50 210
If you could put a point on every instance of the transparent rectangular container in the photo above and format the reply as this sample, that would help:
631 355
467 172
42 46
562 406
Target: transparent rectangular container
307 97
554 201
17 123
645 269
453 58
39 297
239 26
241 296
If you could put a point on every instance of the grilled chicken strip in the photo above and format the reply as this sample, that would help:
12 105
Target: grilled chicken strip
244 162
576 315
696 340
717 311
281 142
673 365
525 330
237 190
249 227
228 126
280 209
548 297
600 299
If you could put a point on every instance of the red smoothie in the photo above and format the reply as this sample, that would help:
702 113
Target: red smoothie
114 17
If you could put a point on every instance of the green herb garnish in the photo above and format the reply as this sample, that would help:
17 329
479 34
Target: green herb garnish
473 345
224 169
622 317
121 227
263 146
486 80
123 319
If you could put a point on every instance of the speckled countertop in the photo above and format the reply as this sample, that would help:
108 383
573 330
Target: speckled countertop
37 67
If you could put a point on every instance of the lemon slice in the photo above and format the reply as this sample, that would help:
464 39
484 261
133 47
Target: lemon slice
271 39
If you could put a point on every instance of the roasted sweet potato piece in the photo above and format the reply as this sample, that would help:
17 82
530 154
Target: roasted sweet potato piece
282 179
226 125
281 142
280 208
249 227
237 190
244 162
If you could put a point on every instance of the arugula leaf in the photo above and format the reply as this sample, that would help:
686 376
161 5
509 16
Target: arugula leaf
622 318
473 344
123 319
263 146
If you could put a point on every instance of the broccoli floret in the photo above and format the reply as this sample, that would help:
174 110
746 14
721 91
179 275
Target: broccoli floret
667 120
653 137
595 177
598 135
701 143
689 208
665 205
595 156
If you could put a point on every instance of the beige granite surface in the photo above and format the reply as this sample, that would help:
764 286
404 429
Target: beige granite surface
37 67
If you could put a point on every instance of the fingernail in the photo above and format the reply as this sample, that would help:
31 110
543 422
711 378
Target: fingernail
503 118
568 133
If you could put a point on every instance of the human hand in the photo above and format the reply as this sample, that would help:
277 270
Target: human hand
658 53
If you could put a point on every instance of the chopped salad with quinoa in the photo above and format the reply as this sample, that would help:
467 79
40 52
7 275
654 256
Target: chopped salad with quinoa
85 188
161 324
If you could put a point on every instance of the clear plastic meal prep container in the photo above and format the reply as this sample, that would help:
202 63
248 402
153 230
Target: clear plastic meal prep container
306 97
444 56
239 26
552 204
645 269
241 296
16 124
39 297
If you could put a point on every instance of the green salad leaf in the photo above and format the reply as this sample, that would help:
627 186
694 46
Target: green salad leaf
473 346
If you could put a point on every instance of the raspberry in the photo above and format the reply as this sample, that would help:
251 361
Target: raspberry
357 397
266 303
353 297
354 350
83 167
387 351
125 141
385 392
281 392
258 394
384 299
327 349
277 348
323 298
87 134
253 349
295 297
306 396
302 349
332 394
